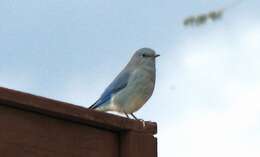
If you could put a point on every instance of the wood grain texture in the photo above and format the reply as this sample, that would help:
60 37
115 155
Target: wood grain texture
26 134
72 112
133 144
33 126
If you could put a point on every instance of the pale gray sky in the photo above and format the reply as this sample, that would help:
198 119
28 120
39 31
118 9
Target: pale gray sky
207 96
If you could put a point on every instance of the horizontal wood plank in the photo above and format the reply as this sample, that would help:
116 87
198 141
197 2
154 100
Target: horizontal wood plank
26 134
72 112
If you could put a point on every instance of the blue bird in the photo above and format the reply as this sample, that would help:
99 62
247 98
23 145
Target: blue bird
133 86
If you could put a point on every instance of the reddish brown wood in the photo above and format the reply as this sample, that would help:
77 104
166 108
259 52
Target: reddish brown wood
71 112
31 135
135 144
33 126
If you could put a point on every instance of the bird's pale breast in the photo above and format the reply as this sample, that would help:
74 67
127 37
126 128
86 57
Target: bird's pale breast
137 92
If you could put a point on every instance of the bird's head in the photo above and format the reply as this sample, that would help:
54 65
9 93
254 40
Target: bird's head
144 56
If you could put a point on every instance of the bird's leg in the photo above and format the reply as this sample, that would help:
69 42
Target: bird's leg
138 119
134 116
126 115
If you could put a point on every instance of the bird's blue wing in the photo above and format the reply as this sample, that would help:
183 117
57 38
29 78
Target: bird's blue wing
118 84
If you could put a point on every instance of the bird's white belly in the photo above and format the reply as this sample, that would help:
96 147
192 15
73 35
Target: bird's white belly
135 95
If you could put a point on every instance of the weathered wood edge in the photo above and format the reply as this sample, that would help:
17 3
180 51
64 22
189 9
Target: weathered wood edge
67 111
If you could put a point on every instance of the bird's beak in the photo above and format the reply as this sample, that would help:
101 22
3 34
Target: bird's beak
157 55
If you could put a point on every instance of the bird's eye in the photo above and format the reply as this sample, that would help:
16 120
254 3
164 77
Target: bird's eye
144 55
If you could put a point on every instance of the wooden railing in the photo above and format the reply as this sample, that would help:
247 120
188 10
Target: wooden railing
33 126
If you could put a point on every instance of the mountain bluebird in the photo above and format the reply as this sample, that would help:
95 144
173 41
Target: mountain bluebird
132 87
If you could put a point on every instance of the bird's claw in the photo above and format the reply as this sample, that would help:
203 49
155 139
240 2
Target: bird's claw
143 122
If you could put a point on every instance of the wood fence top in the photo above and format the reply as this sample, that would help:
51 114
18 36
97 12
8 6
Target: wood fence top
70 112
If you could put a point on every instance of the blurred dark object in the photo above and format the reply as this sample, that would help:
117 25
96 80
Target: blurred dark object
213 16
203 18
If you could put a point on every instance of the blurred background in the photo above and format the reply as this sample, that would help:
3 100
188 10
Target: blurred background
207 96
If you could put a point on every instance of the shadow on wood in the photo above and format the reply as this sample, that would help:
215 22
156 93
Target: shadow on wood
33 126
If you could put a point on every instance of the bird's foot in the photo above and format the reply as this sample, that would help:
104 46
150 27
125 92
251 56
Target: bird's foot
126 115
141 120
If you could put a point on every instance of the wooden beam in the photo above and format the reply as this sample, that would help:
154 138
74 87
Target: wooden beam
34 126
72 112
